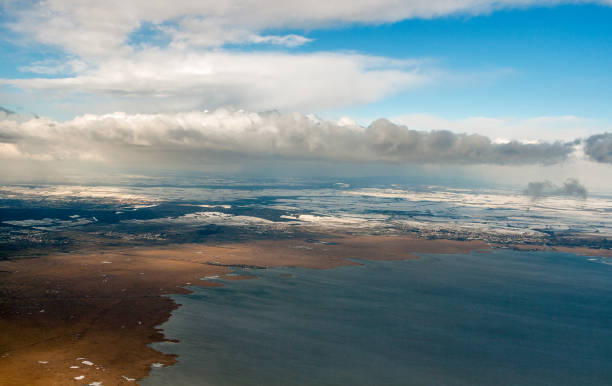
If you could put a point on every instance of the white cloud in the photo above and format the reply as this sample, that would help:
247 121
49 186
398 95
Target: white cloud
91 29
256 81
290 40
52 67
192 138
194 31
9 151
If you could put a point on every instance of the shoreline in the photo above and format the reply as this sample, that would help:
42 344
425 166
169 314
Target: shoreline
107 307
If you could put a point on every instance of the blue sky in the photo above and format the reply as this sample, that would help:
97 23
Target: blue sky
538 61
541 61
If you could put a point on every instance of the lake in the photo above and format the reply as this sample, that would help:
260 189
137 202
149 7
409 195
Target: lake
501 317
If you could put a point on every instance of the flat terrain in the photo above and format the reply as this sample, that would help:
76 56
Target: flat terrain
92 315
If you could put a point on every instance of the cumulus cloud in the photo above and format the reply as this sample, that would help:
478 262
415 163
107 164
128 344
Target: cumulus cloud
397 143
599 147
570 188
235 136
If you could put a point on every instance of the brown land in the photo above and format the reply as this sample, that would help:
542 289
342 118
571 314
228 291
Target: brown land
104 307
583 251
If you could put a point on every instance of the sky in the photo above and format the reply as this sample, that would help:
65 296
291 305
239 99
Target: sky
518 85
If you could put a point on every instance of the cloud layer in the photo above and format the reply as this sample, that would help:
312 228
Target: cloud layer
197 137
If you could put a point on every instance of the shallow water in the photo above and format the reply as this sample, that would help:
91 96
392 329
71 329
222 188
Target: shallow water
505 318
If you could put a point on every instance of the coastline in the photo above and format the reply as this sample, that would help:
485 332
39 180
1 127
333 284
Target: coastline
105 307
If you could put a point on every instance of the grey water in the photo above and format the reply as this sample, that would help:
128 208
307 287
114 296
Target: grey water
503 318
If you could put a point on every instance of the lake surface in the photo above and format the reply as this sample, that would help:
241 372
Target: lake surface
503 318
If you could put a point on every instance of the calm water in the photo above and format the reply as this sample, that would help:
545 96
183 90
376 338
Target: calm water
505 318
